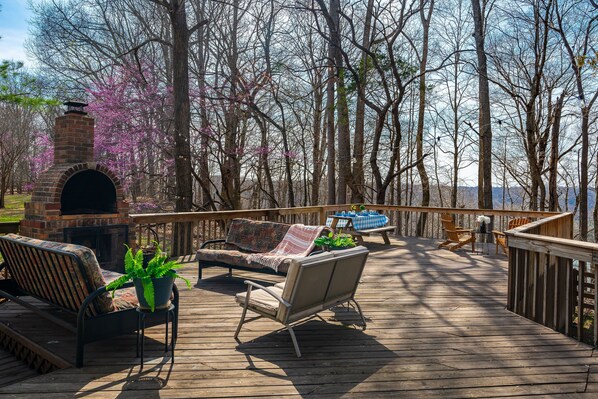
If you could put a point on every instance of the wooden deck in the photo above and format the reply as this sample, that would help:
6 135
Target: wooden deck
437 328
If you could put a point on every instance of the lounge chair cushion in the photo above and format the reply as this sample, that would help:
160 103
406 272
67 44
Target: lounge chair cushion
91 268
256 236
235 258
260 300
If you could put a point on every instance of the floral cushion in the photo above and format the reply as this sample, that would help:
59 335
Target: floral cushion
74 284
235 258
256 236
124 298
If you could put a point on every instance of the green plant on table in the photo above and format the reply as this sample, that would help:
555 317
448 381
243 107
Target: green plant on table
158 267
335 240
355 208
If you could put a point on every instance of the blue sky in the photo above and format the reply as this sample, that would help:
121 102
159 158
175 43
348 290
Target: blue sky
13 29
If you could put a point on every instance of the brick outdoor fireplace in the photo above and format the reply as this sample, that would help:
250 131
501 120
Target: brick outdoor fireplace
78 200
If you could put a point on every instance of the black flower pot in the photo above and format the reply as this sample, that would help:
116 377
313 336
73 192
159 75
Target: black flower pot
162 293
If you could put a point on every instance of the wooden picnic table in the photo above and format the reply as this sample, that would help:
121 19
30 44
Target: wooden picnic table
358 234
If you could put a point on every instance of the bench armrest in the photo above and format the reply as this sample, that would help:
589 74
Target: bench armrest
251 284
210 242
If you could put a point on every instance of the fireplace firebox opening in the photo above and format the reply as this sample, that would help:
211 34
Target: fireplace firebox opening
88 192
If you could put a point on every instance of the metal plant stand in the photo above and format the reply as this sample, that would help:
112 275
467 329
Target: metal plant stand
171 319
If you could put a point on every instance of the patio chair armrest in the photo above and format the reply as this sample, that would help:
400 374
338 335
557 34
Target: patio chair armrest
498 233
210 242
251 284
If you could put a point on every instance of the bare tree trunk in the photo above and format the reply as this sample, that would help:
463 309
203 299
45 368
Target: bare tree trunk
317 149
342 108
182 122
207 200
553 200
358 141
419 138
330 136
485 127
583 170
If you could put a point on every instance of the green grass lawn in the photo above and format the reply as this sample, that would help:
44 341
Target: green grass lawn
15 206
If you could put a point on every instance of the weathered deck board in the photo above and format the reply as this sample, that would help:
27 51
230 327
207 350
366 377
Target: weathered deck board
13 370
437 328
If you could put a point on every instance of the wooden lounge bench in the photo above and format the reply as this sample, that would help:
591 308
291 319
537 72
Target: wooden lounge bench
69 278
245 237
313 284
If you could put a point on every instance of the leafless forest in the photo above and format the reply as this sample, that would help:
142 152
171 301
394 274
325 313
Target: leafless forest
229 104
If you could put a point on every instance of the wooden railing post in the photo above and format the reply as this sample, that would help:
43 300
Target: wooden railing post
323 216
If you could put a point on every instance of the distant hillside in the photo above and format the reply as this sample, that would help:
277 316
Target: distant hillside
514 198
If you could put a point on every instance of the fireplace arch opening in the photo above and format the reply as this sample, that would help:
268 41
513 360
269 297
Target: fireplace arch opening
88 192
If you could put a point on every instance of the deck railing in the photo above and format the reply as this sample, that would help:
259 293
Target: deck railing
212 225
552 278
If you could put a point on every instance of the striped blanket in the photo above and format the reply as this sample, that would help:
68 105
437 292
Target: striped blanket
297 242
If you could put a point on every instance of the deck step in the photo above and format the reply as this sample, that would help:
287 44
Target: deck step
30 358
13 370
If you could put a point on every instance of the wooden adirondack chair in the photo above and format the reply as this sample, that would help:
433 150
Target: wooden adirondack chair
501 239
456 237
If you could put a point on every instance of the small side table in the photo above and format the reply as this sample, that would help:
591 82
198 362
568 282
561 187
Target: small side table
482 240
170 316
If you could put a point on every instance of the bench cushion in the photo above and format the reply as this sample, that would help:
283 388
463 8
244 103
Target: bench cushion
124 298
69 285
256 236
260 300
235 258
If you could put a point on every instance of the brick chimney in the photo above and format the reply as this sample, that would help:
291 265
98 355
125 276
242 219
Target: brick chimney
73 137
78 200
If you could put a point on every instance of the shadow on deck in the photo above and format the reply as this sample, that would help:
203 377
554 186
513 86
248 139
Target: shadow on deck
437 327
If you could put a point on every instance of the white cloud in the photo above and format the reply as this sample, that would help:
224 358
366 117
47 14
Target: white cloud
11 45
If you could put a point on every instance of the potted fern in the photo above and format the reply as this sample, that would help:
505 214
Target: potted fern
335 241
153 283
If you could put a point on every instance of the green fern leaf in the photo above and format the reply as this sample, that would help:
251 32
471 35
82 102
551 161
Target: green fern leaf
139 263
129 261
184 279
148 292
116 284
